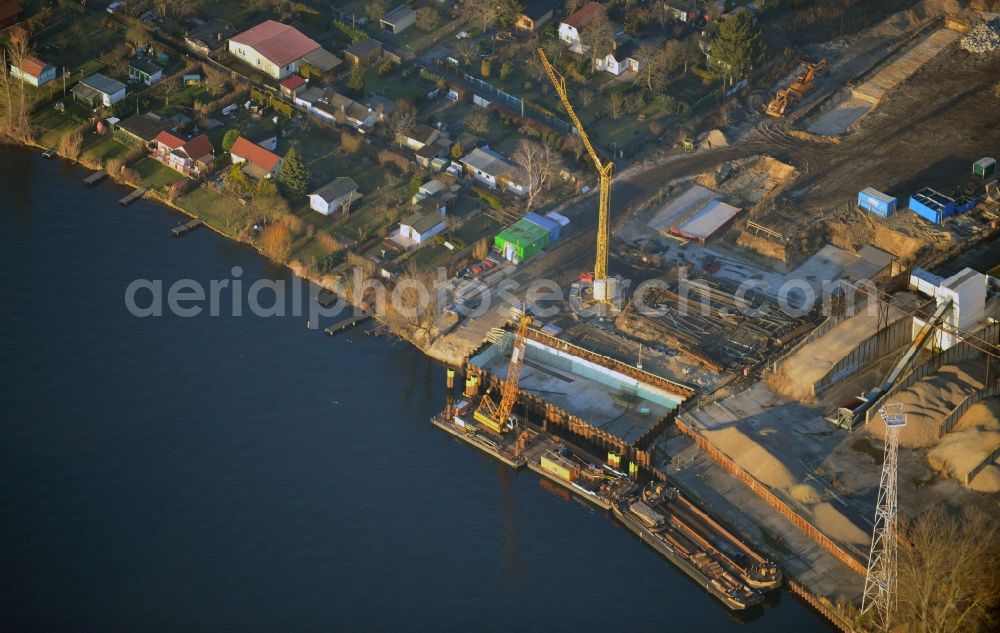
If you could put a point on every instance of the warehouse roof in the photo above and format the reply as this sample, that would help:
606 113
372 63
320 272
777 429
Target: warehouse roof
280 43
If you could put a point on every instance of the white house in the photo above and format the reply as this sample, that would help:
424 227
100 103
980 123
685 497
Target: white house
274 48
418 136
493 170
334 196
145 70
621 60
572 26
34 71
419 227
99 89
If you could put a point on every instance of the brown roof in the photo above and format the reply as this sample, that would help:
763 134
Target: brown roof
584 14
199 147
279 43
33 66
255 154
293 82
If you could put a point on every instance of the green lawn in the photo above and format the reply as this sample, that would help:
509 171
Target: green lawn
104 148
207 204
156 175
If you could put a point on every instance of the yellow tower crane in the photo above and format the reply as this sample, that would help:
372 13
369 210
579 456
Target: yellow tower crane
601 291
496 417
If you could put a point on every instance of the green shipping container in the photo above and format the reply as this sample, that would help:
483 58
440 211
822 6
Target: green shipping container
521 240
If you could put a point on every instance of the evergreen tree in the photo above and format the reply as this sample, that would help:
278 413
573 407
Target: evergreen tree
293 176
356 80
739 47
230 139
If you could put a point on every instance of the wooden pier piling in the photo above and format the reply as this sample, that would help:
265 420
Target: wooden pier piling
183 229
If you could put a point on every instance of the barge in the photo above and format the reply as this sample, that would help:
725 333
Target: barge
502 447
708 553
597 483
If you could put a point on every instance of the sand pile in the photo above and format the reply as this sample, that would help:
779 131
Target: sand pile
838 527
753 457
988 479
804 493
795 378
975 438
714 138
930 399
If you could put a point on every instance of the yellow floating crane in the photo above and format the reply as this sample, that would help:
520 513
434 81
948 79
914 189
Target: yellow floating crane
496 417
602 292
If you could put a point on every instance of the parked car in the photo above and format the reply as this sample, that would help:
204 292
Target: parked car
114 6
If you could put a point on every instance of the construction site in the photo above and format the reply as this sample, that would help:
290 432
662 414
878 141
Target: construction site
767 321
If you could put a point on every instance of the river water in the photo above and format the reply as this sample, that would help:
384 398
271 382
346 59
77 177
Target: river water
248 474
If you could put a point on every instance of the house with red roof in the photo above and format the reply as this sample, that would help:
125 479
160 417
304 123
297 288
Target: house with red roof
292 85
257 161
191 158
571 28
34 71
274 48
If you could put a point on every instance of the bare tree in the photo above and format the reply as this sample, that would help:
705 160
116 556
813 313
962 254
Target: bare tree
599 35
487 12
949 580
400 122
651 69
478 121
615 104
539 163
427 18
465 50
17 121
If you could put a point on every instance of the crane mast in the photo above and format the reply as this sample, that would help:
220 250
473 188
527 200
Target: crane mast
604 187
495 416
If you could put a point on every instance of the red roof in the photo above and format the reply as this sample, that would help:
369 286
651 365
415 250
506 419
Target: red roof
33 66
293 82
198 147
168 139
255 154
278 43
584 14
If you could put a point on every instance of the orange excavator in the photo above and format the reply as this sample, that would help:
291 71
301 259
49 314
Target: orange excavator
788 97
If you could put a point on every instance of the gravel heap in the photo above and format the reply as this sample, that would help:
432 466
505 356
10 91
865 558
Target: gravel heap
983 38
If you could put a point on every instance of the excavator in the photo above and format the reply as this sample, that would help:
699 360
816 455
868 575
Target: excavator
787 97
497 417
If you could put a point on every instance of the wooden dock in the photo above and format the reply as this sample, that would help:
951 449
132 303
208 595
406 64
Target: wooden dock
49 153
347 323
95 178
132 197
184 229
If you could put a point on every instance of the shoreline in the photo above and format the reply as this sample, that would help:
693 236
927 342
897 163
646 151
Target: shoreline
428 350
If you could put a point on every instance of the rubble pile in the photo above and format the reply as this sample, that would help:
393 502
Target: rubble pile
983 38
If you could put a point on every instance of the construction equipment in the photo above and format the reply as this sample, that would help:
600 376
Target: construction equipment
787 97
496 417
601 288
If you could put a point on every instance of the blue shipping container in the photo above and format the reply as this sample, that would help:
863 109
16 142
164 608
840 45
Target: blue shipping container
934 206
548 224
877 202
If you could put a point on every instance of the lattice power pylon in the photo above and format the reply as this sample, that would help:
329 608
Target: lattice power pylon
880 581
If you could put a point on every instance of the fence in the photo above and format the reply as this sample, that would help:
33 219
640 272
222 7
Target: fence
769 497
494 92
820 606
874 348
958 353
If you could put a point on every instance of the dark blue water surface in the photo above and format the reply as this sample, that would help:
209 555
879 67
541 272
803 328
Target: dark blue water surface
247 474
